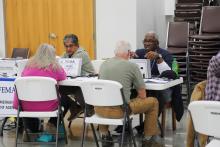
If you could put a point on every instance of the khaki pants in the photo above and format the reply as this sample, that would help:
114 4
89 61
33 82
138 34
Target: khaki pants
197 95
148 106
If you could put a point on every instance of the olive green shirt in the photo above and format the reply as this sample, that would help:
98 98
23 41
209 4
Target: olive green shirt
87 67
124 72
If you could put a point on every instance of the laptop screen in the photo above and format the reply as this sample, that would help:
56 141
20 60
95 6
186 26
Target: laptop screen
144 66
72 66
7 68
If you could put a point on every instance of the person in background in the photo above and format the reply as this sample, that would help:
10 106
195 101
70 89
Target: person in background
206 90
73 50
213 79
128 74
198 94
43 63
73 95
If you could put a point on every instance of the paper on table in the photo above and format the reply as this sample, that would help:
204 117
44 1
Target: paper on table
159 80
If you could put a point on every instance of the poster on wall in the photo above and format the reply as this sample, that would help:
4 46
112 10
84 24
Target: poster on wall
7 90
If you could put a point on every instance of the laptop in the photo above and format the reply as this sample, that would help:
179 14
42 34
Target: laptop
72 66
144 66
7 68
20 64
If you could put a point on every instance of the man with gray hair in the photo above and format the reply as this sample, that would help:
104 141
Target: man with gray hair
128 74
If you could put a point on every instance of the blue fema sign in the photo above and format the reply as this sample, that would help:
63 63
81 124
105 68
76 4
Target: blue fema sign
7 90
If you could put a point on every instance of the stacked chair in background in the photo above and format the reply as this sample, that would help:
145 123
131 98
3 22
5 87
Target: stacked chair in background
189 11
177 41
204 45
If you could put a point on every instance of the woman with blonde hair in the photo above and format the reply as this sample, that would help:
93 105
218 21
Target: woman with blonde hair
43 63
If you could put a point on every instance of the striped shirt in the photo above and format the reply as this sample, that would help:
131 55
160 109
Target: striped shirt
213 79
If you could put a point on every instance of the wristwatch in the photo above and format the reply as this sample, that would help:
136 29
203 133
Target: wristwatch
159 56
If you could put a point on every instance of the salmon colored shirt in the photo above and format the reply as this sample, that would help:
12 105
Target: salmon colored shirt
40 106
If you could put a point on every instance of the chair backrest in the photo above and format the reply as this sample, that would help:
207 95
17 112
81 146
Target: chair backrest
210 20
20 66
97 64
177 36
206 117
102 92
35 88
178 33
20 52
190 1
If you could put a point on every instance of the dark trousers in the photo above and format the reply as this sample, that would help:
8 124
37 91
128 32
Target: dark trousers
67 103
32 124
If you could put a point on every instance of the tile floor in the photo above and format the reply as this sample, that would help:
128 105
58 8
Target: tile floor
171 139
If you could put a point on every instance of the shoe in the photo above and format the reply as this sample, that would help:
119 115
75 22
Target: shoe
140 129
107 140
46 138
74 112
90 110
51 128
25 137
29 138
151 143
119 129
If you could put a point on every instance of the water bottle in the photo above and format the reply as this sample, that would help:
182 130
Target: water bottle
175 66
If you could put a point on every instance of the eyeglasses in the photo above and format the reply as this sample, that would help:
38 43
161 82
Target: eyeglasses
148 41
69 46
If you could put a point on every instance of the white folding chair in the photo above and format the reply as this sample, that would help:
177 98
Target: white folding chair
97 64
206 118
37 89
105 93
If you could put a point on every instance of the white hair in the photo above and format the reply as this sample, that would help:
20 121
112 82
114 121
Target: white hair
122 47
152 33
44 58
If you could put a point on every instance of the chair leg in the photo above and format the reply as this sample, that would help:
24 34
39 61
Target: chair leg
57 132
173 120
163 121
123 131
69 125
3 125
131 131
66 139
62 118
83 135
197 140
161 129
17 125
141 118
94 134
26 129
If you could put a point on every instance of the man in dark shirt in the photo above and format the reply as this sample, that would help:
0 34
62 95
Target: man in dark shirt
161 60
